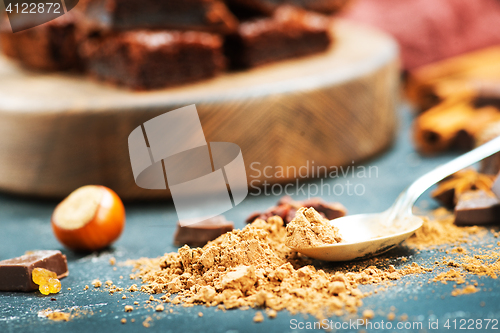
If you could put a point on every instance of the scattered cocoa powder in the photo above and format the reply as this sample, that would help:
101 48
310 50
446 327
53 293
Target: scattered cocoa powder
147 323
66 315
439 229
309 229
470 289
253 267
368 314
58 316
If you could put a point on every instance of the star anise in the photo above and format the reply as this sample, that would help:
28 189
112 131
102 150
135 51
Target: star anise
452 187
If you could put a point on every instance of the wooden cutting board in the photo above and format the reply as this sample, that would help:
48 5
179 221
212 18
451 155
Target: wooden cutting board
61 131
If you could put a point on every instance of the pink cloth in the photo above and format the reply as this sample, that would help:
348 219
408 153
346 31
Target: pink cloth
431 30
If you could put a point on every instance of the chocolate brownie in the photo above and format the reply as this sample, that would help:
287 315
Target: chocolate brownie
98 16
153 59
288 33
48 47
269 6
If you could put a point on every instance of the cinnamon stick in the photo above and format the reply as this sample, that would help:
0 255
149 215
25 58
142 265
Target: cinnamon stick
454 123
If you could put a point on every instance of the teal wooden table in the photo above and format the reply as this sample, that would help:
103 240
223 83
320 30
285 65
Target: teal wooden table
25 225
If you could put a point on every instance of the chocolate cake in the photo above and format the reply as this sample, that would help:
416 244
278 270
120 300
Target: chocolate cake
148 45
269 6
49 47
98 16
147 60
288 33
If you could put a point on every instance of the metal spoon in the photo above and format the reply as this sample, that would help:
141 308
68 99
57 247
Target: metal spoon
368 235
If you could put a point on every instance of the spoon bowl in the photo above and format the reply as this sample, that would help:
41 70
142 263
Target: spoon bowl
365 236
368 235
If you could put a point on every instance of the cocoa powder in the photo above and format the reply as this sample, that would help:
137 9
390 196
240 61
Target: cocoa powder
253 267
309 229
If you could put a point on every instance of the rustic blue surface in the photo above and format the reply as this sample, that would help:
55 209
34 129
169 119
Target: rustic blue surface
25 225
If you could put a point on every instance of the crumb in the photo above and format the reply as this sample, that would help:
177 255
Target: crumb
146 323
272 313
258 317
470 289
132 320
404 317
58 316
200 314
69 288
129 308
97 283
391 316
159 308
86 287
368 314
124 297
109 283
136 303
112 261
123 321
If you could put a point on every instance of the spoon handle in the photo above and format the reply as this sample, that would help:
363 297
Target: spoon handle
407 199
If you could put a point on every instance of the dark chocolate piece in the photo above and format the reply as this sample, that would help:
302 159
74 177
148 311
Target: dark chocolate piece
269 6
199 234
101 16
477 207
154 59
48 47
15 273
286 209
289 33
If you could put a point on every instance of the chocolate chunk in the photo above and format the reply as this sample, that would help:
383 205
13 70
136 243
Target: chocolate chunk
200 233
286 209
477 207
15 273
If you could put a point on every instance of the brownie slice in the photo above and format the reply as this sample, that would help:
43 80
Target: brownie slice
48 47
267 7
288 33
154 59
98 16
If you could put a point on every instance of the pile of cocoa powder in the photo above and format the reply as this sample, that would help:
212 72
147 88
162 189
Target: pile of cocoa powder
252 267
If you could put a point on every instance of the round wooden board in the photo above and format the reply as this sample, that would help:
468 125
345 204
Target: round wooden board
59 132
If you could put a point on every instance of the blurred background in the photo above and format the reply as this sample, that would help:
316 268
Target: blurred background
293 83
